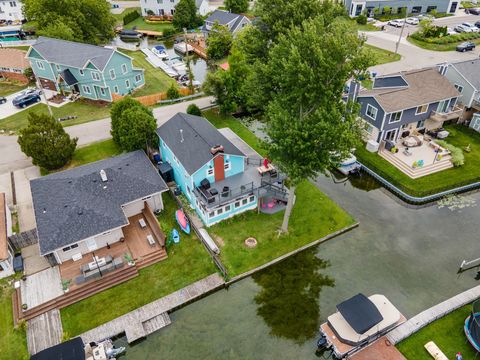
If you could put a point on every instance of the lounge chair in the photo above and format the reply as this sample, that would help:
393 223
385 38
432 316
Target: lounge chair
435 351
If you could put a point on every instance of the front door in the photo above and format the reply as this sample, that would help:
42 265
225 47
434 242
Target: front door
219 168
391 134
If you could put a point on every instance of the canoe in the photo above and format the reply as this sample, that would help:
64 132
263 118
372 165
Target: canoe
175 236
182 221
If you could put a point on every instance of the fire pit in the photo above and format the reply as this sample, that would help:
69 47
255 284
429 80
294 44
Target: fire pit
251 242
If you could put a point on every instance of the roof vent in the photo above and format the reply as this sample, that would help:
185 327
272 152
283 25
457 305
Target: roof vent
103 175
181 135
216 149
80 212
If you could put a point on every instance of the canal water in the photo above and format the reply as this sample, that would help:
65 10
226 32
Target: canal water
409 254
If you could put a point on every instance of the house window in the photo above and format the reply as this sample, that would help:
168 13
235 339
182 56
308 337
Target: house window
431 8
237 204
459 88
395 117
252 198
244 201
70 247
209 172
416 10
227 208
81 72
228 166
212 214
420 124
40 65
219 211
372 112
124 68
95 76
58 67
127 83
421 109
172 11
115 89
159 1
112 74
138 78
86 89
102 91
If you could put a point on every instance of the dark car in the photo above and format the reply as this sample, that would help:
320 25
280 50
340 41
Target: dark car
466 46
473 11
477 24
3 100
25 100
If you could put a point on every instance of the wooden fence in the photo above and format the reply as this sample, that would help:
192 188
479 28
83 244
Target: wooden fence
150 100
23 239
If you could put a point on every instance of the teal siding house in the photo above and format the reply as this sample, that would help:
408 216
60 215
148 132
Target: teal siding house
93 72
217 178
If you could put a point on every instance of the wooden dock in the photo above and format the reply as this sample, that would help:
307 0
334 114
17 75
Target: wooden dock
44 331
436 312
153 316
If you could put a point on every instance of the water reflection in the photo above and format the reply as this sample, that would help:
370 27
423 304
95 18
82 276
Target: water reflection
361 181
288 300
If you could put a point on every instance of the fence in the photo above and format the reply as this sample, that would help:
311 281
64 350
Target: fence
418 200
150 100
24 239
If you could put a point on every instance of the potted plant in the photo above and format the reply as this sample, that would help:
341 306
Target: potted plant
129 259
24 306
66 285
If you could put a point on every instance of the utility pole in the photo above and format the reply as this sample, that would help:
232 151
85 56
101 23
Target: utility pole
403 28
189 70
39 84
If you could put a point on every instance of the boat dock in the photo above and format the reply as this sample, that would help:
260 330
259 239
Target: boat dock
199 50
149 318
157 62
44 331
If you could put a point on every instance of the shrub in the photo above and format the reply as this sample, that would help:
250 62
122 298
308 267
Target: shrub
361 19
458 159
172 92
169 32
193 109
150 12
129 17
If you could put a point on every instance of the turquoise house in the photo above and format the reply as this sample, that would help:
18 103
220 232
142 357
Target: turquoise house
93 72
218 179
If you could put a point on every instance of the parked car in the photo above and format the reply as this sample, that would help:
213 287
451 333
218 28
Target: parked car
3 100
425 16
31 91
450 31
473 11
477 24
472 27
466 46
396 23
462 29
23 101
412 21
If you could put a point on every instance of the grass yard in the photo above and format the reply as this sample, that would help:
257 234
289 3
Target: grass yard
84 110
460 136
156 80
13 342
439 47
382 56
446 332
187 262
7 88
141 24
311 207
119 17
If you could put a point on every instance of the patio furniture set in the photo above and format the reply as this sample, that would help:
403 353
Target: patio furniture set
98 267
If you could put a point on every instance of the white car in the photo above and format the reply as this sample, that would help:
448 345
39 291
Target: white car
396 23
472 27
412 21
463 29
450 31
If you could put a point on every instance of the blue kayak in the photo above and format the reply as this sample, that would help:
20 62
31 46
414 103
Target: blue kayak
175 236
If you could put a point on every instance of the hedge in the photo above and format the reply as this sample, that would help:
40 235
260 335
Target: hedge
458 159
449 39
131 16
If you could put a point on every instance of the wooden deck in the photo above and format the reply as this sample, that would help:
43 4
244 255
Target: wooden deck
44 331
381 349
136 238
153 316
41 287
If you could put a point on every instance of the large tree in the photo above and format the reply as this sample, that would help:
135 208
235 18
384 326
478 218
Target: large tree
219 41
236 6
133 125
46 142
88 21
185 15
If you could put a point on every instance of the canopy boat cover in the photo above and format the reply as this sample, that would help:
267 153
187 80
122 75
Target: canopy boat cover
68 350
360 313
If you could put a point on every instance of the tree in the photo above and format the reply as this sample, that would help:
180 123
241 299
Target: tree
172 92
185 15
46 142
88 21
133 125
193 109
309 126
219 42
236 6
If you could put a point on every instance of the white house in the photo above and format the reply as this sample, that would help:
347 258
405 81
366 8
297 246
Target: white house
6 251
11 10
167 7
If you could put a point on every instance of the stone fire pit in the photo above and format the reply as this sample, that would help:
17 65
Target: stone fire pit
251 242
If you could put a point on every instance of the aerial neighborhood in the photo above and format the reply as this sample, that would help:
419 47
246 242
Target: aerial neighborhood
239 179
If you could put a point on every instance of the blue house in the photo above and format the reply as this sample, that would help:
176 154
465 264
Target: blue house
218 179
93 72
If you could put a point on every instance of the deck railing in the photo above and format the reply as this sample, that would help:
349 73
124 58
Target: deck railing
450 114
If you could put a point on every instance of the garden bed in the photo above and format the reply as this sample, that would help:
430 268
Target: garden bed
444 43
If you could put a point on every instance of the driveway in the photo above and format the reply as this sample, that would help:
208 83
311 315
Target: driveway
26 217
8 109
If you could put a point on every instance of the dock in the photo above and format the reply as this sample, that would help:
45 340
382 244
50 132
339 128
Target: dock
199 50
44 331
149 318
158 63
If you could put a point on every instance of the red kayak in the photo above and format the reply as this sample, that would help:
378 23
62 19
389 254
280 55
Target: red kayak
182 221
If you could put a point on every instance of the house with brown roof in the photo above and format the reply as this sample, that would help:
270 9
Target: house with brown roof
403 102
6 251
13 64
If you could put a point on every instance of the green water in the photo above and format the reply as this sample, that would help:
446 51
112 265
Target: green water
411 255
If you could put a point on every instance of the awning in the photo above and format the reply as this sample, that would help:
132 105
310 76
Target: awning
68 77
69 350
360 313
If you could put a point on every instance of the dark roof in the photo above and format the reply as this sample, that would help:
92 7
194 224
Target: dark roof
470 69
76 204
69 350
425 86
389 81
223 17
68 77
360 313
199 136
71 53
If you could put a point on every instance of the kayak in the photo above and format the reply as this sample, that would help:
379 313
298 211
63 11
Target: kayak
175 236
182 221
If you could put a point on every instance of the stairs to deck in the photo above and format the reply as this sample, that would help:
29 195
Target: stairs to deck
441 165
151 258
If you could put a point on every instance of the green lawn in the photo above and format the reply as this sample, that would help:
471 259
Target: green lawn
156 80
382 56
84 110
187 262
142 24
119 17
7 88
460 136
446 332
311 207
439 47
13 342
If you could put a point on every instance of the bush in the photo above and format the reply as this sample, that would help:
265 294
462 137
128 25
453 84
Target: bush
172 92
361 19
150 12
131 16
193 109
458 159
169 32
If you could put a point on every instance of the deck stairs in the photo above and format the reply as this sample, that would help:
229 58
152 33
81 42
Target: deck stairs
151 259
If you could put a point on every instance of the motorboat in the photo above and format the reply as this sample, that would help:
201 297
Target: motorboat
160 51
359 321
349 165
177 64
183 48
130 35
75 349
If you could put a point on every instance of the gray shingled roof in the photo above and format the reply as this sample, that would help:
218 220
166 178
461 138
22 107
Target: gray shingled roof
223 17
71 53
75 204
199 136
425 86
470 69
